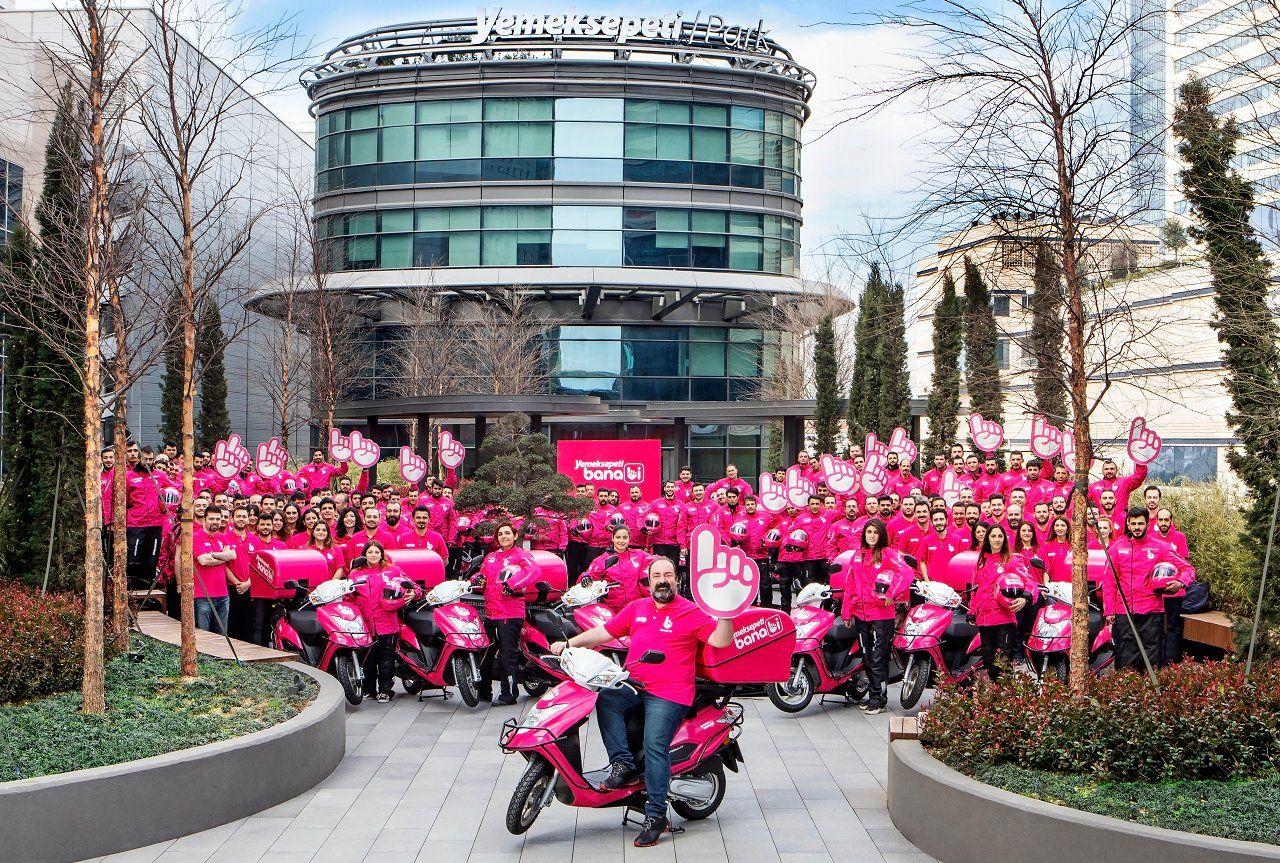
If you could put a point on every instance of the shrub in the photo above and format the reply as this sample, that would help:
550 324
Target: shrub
1206 722
43 643
1209 514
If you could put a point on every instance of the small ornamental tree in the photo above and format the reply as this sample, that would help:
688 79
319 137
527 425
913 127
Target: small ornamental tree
212 422
891 359
826 410
981 347
1047 336
863 408
943 408
518 473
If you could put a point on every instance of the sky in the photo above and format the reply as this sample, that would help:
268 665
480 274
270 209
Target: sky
850 170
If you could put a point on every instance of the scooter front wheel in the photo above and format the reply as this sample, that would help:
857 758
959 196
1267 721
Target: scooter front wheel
462 679
1061 666
535 687
915 680
796 693
526 800
344 668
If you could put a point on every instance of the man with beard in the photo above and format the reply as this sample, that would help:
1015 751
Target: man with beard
846 533
1039 487
684 486
1016 475
729 512
664 536
731 480
144 520
932 479
633 510
676 627
1131 586
1040 515
1121 486
936 548
699 510
990 481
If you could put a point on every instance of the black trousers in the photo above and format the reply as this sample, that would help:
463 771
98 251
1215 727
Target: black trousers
144 553
816 571
1171 645
240 621
575 558
787 572
503 660
263 620
875 636
380 665
1150 630
762 596
996 639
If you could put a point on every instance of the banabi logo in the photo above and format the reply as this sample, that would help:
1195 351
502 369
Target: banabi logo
605 470
666 623
761 629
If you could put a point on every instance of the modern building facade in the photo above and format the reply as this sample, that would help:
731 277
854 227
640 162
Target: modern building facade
1234 47
638 178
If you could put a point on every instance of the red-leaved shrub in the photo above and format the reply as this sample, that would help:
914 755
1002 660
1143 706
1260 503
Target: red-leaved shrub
41 643
1206 722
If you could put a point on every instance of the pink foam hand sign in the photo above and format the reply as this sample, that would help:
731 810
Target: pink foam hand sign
364 452
873 444
272 458
901 443
773 494
723 580
413 467
1144 443
949 488
875 474
339 446
1069 450
987 435
799 489
230 457
1046 438
841 476
452 452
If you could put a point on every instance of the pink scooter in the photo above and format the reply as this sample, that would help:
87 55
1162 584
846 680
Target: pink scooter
328 632
935 640
828 658
578 610
549 736
441 642
1049 645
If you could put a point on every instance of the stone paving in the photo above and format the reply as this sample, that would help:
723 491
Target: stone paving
426 781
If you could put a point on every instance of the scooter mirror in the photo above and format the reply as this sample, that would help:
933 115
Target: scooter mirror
833 568
653 657
1036 563
911 561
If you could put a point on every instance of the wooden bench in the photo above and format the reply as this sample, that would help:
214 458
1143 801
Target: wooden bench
904 728
1212 628
139 598
161 627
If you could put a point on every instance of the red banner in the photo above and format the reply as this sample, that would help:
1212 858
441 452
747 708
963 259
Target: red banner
616 464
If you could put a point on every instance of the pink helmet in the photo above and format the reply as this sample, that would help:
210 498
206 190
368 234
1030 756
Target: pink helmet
1011 585
652 522
773 539
1164 578
464 523
797 540
171 495
884 579
617 520
738 532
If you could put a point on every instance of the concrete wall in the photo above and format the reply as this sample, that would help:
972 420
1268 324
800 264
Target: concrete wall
960 820
90 813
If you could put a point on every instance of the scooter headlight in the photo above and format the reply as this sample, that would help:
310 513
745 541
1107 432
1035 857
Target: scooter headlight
539 716
912 628
468 627
351 626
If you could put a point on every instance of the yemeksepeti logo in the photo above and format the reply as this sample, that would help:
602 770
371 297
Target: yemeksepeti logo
609 470
761 629
711 30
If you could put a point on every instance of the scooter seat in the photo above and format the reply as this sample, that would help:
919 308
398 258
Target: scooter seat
960 628
306 623
552 624
841 636
422 621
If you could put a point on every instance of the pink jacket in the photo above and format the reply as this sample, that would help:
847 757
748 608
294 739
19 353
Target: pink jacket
1174 537
318 476
380 614
757 526
861 600
816 526
601 535
553 533
986 485
844 535
145 508
627 572
1134 559
743 487
1057 559
668 512
694 514
1123 486
499 605
634 512
987 604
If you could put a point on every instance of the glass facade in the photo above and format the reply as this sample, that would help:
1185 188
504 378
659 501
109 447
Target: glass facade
10 198
570 138
1147 106
559 236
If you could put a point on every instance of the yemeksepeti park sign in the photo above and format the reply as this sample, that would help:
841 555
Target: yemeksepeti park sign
496 24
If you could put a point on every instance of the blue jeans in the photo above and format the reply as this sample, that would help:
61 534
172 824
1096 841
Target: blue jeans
661 719
207 619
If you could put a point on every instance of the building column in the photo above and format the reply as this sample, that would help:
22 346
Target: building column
792 438
422 440
682 443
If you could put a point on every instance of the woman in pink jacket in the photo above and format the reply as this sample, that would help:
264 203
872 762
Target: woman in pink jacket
878 580
1055 551
623 564
504 610
999 592
381 591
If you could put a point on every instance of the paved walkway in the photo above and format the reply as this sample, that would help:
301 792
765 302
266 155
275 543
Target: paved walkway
427 782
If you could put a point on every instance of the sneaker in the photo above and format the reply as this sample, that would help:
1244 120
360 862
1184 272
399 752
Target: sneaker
620 776
384 697
651 832
505 700
872 710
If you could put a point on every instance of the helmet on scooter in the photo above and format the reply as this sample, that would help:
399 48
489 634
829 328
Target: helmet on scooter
738 532
1164 578
582 526
652 522
797 540
616 521
773 539
464 523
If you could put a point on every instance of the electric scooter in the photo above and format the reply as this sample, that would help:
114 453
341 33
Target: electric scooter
935 641
549 738
1049 646
828 658
440 644
327 630
580 608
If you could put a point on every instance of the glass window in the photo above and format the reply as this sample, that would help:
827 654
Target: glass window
710 145
672 143
672 220
586 248
456 141
746 148
400 114
396 252
709 251
362 223
746 118
362 118
397 144
652 358
588 140
588 218
710 115
362 147
745 223
655 389
641 141
744 253
706 358
447 171
516 217
517 109
706 436
516 248
449 111
744 359
589 109
361 252
396 221
589 170
709 221
521 139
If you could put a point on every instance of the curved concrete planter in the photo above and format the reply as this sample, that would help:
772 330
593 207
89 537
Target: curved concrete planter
91 813
957 819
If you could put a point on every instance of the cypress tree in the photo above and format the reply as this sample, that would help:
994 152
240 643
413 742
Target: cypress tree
170 427
45 422
894 400
212 422
981 347
827 404
1047 333
1221 203
863 411
943 407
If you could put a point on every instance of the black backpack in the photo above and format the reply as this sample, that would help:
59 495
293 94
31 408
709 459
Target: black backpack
1196 599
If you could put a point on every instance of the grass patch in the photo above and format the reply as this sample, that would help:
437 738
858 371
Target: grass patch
150 711
1235 809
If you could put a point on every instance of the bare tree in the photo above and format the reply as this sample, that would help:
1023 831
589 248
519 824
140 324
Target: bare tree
503 336
1031 105
194 117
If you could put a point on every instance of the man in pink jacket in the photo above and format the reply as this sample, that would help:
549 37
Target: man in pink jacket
731 480
1121 486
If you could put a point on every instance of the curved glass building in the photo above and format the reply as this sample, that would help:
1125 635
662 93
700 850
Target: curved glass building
637 177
